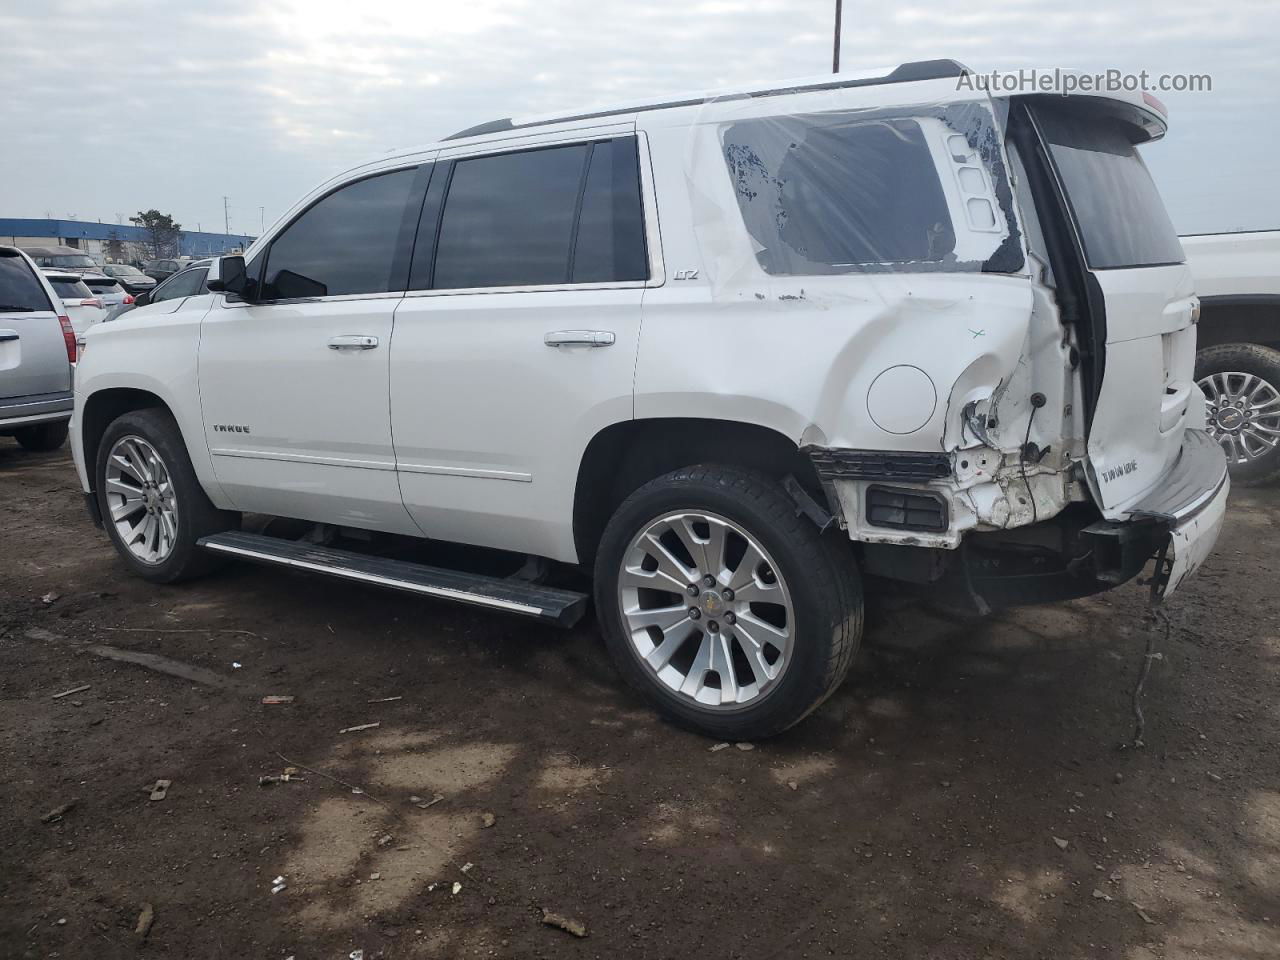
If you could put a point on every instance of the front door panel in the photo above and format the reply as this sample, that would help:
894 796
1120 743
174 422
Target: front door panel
296 413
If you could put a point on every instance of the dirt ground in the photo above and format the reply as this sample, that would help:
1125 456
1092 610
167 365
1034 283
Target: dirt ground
914 816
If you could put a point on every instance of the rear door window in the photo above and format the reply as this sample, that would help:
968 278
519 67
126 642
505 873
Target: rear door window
20 291
508 219
539 217
344 244
610 243
1117 209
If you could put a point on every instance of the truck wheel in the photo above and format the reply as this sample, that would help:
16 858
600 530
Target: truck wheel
42 437
153 507
729 613
1241 384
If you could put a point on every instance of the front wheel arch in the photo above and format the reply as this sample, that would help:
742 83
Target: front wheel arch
101 409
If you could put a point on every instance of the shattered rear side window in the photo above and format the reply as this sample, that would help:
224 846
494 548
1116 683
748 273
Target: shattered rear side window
850 192
824 196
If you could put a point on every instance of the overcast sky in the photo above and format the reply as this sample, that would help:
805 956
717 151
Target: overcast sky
111 107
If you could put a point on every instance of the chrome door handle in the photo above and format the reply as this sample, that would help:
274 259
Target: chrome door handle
579 338
352 342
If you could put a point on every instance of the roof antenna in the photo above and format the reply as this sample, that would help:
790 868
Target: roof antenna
835 52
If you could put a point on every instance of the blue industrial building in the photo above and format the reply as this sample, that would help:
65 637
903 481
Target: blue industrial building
93 237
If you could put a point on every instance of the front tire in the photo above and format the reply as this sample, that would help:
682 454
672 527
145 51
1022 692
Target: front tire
729 613
43 437
153 507
1241 384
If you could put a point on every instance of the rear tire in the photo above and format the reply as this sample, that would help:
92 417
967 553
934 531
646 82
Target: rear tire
1241 383
42 437
143 474
796 611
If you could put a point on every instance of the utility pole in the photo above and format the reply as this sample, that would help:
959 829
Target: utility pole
226 215
835 50
262 220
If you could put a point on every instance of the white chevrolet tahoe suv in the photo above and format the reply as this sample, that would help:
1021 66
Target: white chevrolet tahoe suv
738 357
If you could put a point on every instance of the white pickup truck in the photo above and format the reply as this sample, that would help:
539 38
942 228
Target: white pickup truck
730 356
1237 277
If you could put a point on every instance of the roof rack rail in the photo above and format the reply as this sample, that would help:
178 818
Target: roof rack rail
906 73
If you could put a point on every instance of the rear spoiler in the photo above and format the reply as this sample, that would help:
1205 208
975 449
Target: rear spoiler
1145 114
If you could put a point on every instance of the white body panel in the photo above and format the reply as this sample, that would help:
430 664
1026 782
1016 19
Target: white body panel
156 350
295 427
1235 264
481 460
82 317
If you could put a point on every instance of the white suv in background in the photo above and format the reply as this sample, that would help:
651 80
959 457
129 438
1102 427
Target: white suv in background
732 356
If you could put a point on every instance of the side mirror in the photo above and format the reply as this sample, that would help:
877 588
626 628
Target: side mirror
227 275
142 299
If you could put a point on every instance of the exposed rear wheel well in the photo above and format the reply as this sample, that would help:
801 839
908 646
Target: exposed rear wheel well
1239 322
101 409
624 456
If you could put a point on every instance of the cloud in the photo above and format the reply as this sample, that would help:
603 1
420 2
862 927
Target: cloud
119 106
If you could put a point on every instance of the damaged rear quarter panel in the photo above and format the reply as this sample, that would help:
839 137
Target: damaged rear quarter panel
801 357
798 354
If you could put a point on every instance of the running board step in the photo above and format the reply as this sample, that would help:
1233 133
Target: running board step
561 607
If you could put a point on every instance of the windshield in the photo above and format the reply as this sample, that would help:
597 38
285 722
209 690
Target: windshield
70 289
120 270
1121 218
66 260
20 291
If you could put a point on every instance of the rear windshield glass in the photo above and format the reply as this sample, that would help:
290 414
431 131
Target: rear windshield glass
1117 208
66 260
123 270
20 291
70 289
102 285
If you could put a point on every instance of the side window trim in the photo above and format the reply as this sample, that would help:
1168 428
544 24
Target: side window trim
577 209
404 245
429 223
433 217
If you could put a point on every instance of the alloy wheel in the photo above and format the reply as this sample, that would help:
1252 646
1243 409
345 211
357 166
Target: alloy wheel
141 500
706 610
1243 414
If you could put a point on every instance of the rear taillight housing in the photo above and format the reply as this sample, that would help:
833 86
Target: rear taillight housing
128 299
68 337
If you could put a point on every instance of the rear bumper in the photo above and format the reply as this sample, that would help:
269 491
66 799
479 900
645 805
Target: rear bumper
37 408
1197 479
1074 554
1195 524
